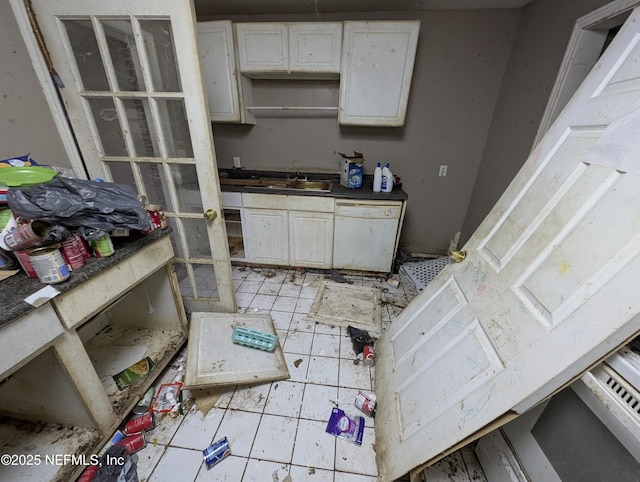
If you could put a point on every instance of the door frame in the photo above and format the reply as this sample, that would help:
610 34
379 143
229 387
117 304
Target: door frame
582 53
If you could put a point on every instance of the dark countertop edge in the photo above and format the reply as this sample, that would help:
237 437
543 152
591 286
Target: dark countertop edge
337 190
16 288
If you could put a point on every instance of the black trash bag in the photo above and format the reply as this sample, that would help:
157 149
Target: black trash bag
117 466
76 202
359 339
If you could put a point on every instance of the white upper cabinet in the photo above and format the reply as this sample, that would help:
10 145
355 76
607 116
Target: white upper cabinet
287 48
315 47
218 59
377 65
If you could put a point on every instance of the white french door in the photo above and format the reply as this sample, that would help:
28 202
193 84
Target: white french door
132 87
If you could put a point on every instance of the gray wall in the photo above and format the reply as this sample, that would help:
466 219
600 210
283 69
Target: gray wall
458 71
26 124
544 31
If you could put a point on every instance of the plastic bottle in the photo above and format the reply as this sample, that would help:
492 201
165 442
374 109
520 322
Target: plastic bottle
387 179
377 179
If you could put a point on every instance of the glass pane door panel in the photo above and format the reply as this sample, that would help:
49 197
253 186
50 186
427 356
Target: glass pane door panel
86 53
143 134
175 237
105 118
155 185
121 172
185 179
195 232
205 280
173 119
163 64
183 279
124 54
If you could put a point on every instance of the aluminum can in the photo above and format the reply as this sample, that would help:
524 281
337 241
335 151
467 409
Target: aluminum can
72 252
23 258
215 452
368 356
143 423
365 403
133 443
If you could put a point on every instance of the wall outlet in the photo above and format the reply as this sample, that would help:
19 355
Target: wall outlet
443 171
236 163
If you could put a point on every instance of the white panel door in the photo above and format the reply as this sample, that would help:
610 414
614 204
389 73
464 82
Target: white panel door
311 239
266 235
548 287
134 95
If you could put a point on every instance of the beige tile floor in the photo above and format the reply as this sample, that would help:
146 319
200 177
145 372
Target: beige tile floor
277 429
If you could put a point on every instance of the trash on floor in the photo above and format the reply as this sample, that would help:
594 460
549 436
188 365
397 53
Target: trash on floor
349 427
368 356
133 374
254 338
144 404
167 398
215 452
366 403
116 465
359 339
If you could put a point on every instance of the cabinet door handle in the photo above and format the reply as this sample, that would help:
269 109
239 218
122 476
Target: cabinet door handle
210 214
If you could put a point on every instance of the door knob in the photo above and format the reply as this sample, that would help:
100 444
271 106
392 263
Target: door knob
457 256
210 214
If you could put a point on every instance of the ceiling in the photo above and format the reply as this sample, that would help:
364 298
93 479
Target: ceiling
256 7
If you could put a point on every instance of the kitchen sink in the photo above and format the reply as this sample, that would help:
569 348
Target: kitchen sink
275 183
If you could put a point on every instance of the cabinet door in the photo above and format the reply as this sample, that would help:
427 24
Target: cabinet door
266 237
218 60
262 47
377 65
311 239
315 47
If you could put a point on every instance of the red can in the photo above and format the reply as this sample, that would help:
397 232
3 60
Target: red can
368 357
133 443
140 424
72 252
365 403
82 245
89 473
25 262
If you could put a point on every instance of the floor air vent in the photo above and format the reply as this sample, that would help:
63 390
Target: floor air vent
620 389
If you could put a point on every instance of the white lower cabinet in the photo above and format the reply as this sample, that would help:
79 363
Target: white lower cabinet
311 231
266 238
366 234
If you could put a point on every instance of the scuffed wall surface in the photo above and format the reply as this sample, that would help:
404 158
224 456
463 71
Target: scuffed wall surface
26 124
542 37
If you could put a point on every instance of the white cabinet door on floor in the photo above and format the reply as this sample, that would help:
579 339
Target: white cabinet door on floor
315 47
262 47
377 66
311 239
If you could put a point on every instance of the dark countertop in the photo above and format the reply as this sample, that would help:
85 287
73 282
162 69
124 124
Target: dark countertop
16 288
337 189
